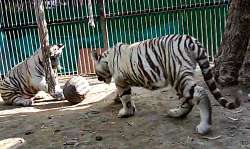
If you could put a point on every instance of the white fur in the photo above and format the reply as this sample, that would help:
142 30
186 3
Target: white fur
34 81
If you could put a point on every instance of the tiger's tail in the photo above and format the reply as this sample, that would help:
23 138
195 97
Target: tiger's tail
209 79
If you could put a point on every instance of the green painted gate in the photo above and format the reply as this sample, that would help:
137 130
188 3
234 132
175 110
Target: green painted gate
127 21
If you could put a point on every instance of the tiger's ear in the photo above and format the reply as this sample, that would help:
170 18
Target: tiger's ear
94 55
59 50
61 46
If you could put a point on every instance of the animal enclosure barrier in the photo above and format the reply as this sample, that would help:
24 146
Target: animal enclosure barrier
125 21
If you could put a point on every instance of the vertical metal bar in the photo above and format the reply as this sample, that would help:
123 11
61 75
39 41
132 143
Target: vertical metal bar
86 50
66 46
202 25
212 45
78 50
10 46
51 11
145 21
216 31
6 16
87 53
98 36
18 13
103 23
3 52
10 13
95 45
109 25
23 45
24 4
31 38
70 47
57 17
78 10
137 26
81 65
26 43
150 26
74 50
73 7
133 30
15 46
81 26
36 40
220 31
31 19
5 33
9 23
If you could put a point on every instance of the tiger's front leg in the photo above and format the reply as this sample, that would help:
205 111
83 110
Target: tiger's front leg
43 86
128 106
116 98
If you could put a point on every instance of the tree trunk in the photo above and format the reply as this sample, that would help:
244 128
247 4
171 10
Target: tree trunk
234 43
44 39
244 73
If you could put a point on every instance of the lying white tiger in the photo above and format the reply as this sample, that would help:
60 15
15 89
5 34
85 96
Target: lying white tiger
156 63
23 81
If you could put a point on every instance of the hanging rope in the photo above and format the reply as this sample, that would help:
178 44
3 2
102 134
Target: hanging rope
44 39
91 16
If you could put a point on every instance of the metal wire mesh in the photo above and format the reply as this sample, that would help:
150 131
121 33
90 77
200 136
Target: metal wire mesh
126 21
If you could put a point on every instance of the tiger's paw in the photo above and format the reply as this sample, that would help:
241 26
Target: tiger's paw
23 102
58 95
126 112
180 111
42 95
203 128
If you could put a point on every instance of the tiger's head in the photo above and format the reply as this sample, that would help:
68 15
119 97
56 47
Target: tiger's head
101 66
55 53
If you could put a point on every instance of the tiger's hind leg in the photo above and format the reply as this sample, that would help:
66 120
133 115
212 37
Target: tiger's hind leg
181 111
201 99
22 101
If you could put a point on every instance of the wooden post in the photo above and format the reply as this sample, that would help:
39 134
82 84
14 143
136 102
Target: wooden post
44 39
103 24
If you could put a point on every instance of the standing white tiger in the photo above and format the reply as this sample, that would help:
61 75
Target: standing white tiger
24 80
156 63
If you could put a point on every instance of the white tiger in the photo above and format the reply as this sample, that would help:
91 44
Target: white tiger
156 63
24 80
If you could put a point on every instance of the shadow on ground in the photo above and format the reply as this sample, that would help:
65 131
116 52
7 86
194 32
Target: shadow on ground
93 123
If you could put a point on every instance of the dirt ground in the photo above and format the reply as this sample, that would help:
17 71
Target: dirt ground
93 123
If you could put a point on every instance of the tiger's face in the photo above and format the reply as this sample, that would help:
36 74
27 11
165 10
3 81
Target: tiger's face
55 53
101 67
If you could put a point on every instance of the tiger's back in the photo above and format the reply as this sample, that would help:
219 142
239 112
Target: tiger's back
152 63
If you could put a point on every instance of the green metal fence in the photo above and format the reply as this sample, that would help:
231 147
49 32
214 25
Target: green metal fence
126 21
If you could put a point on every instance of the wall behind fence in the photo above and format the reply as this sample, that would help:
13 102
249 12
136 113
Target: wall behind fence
126 21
